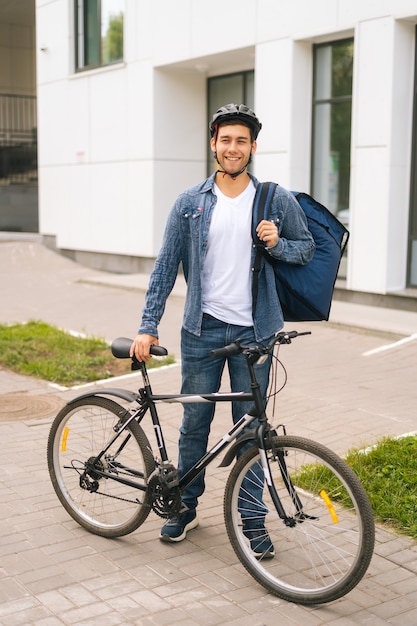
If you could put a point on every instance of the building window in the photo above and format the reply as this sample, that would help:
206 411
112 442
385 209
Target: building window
237 88
98 33
332 106
412 232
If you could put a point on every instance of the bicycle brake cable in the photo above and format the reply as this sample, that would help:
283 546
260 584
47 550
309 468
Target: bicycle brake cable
273 391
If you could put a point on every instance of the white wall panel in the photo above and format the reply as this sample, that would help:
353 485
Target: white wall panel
53 34
169 30
171 178
54 183
101 208
273 94
296 19
55 124
381 129
108 206
139 31
368 220
374 47
77 137
140 110
138 230
108 116
400 154
218 25
273 167
360 10
283 104
75 211
181 124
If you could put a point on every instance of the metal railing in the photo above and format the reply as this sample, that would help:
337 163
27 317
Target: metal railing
18 138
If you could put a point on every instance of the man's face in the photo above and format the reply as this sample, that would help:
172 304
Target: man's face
233 146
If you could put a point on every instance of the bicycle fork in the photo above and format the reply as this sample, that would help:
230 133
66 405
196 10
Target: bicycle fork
262 433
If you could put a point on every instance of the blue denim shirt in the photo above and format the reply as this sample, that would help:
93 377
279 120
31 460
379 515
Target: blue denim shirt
185 242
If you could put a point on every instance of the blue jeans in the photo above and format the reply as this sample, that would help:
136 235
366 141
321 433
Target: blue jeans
202 374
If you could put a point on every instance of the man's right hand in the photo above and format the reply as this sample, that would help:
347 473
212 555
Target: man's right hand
141 346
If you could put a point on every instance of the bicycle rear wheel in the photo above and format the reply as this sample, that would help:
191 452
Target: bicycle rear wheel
326 544
99 503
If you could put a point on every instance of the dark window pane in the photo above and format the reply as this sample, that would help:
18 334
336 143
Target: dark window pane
332 125
92 32
342 69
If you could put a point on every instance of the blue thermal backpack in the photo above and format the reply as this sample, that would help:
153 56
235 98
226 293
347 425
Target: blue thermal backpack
305 291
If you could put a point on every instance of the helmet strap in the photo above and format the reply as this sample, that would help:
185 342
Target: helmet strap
232 176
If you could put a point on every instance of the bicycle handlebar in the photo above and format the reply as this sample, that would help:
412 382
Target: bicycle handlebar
230 350
236 347
120 347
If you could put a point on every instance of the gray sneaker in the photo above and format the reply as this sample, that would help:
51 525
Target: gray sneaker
176 528
260 542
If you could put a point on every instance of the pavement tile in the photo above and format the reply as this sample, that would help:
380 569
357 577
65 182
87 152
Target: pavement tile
49 621
24 618
15 606
91 611
408 617
224 609
395 607
150 600
56 601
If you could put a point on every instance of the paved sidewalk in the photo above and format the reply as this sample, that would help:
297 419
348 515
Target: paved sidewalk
349 383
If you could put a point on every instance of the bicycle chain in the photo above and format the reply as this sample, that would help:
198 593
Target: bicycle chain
107 495
163 507
162 488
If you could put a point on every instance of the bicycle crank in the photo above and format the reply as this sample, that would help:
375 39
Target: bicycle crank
164 492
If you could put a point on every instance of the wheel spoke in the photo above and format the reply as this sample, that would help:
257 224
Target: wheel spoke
324 545
88 488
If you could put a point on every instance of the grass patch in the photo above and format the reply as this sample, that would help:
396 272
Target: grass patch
388 473
44 351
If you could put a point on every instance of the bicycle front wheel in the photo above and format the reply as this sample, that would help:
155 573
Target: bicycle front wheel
108 497
323 546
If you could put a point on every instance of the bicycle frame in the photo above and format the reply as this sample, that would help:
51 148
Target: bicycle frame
148 402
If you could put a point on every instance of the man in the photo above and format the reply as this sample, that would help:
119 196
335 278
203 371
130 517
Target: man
209 232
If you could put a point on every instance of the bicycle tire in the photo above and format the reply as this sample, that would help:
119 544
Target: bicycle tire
327 551
78 434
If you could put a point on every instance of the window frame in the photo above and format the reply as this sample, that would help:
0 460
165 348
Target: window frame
331 101
80 38
411 281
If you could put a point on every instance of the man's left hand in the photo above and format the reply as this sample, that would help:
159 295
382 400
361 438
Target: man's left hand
267 232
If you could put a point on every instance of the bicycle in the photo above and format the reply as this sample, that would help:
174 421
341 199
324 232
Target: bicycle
318 515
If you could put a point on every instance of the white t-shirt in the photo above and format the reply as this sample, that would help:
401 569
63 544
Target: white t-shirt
227 276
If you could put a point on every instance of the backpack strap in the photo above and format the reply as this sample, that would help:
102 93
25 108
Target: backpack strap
261 203
262 200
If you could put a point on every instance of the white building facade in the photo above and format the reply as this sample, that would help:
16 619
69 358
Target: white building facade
119 137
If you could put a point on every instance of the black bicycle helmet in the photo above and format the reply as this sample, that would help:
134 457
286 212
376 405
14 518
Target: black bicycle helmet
235 113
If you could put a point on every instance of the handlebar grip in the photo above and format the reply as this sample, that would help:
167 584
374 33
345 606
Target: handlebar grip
120 348
230 350
158 351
